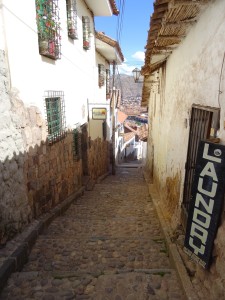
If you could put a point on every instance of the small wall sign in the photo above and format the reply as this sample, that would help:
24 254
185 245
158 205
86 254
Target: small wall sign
206 202
99 113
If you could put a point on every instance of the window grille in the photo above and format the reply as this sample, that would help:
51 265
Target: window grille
86 33
48 26
107 82
77 144
55 113
72 19
101 75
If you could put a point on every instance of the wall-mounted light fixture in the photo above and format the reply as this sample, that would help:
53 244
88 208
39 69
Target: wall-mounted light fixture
136 74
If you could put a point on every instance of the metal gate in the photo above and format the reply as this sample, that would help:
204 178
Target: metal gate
203 119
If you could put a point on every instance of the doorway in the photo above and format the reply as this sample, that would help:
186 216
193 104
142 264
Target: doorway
203 125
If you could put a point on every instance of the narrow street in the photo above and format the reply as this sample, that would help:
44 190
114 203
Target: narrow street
107 245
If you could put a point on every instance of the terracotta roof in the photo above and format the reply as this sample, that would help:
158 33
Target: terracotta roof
143 132
106 39
121 116
130 128
169 25
128 136
114 8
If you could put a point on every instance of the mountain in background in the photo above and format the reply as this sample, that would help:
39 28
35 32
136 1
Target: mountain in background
128 87
131 94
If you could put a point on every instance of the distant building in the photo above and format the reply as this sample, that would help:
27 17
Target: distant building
108 52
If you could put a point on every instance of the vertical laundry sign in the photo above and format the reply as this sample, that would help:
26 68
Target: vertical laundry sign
206 202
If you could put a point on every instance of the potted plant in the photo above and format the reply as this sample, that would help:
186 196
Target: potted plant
48 30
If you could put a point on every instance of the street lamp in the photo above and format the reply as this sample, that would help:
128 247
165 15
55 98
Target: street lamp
136 73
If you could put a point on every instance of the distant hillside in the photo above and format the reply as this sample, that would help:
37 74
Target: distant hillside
129 89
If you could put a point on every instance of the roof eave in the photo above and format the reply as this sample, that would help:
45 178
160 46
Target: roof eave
102 7
169 25
107 44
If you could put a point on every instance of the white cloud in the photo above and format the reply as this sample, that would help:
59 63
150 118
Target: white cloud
139 55
126 69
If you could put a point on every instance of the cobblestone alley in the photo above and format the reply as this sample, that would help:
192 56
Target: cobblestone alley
107 246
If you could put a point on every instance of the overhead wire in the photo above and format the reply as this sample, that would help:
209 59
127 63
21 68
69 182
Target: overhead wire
120 20
118 80
121 6
130 86
120 23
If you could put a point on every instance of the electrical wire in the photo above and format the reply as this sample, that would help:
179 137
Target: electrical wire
118 80
121 7
120 20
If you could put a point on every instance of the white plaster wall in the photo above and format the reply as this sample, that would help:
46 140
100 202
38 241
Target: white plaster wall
95 126
130 146
100 92
192 76
32 74
99 101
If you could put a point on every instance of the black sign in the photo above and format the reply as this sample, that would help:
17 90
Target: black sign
206 202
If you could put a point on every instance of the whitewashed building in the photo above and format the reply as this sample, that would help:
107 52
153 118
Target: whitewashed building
184 88
108 54
67 64
48 76
119 136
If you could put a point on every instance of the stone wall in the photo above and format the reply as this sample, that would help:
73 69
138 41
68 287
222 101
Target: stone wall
52 174
34 176
98 158
15 211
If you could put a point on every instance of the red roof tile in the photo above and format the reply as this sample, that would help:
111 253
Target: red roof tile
114 8
121 116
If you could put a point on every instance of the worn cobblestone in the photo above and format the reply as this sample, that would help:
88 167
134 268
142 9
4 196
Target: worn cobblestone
107 245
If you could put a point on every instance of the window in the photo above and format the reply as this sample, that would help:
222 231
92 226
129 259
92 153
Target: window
72 19
86 33
55 112
101 75
107 83
48 26
77 144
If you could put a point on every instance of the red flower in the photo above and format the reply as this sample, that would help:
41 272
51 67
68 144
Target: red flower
86 44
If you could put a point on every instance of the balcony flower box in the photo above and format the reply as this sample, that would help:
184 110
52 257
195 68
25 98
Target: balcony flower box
48 27
86 45
72 33
49 49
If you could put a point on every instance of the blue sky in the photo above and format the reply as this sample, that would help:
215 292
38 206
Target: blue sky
134 23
